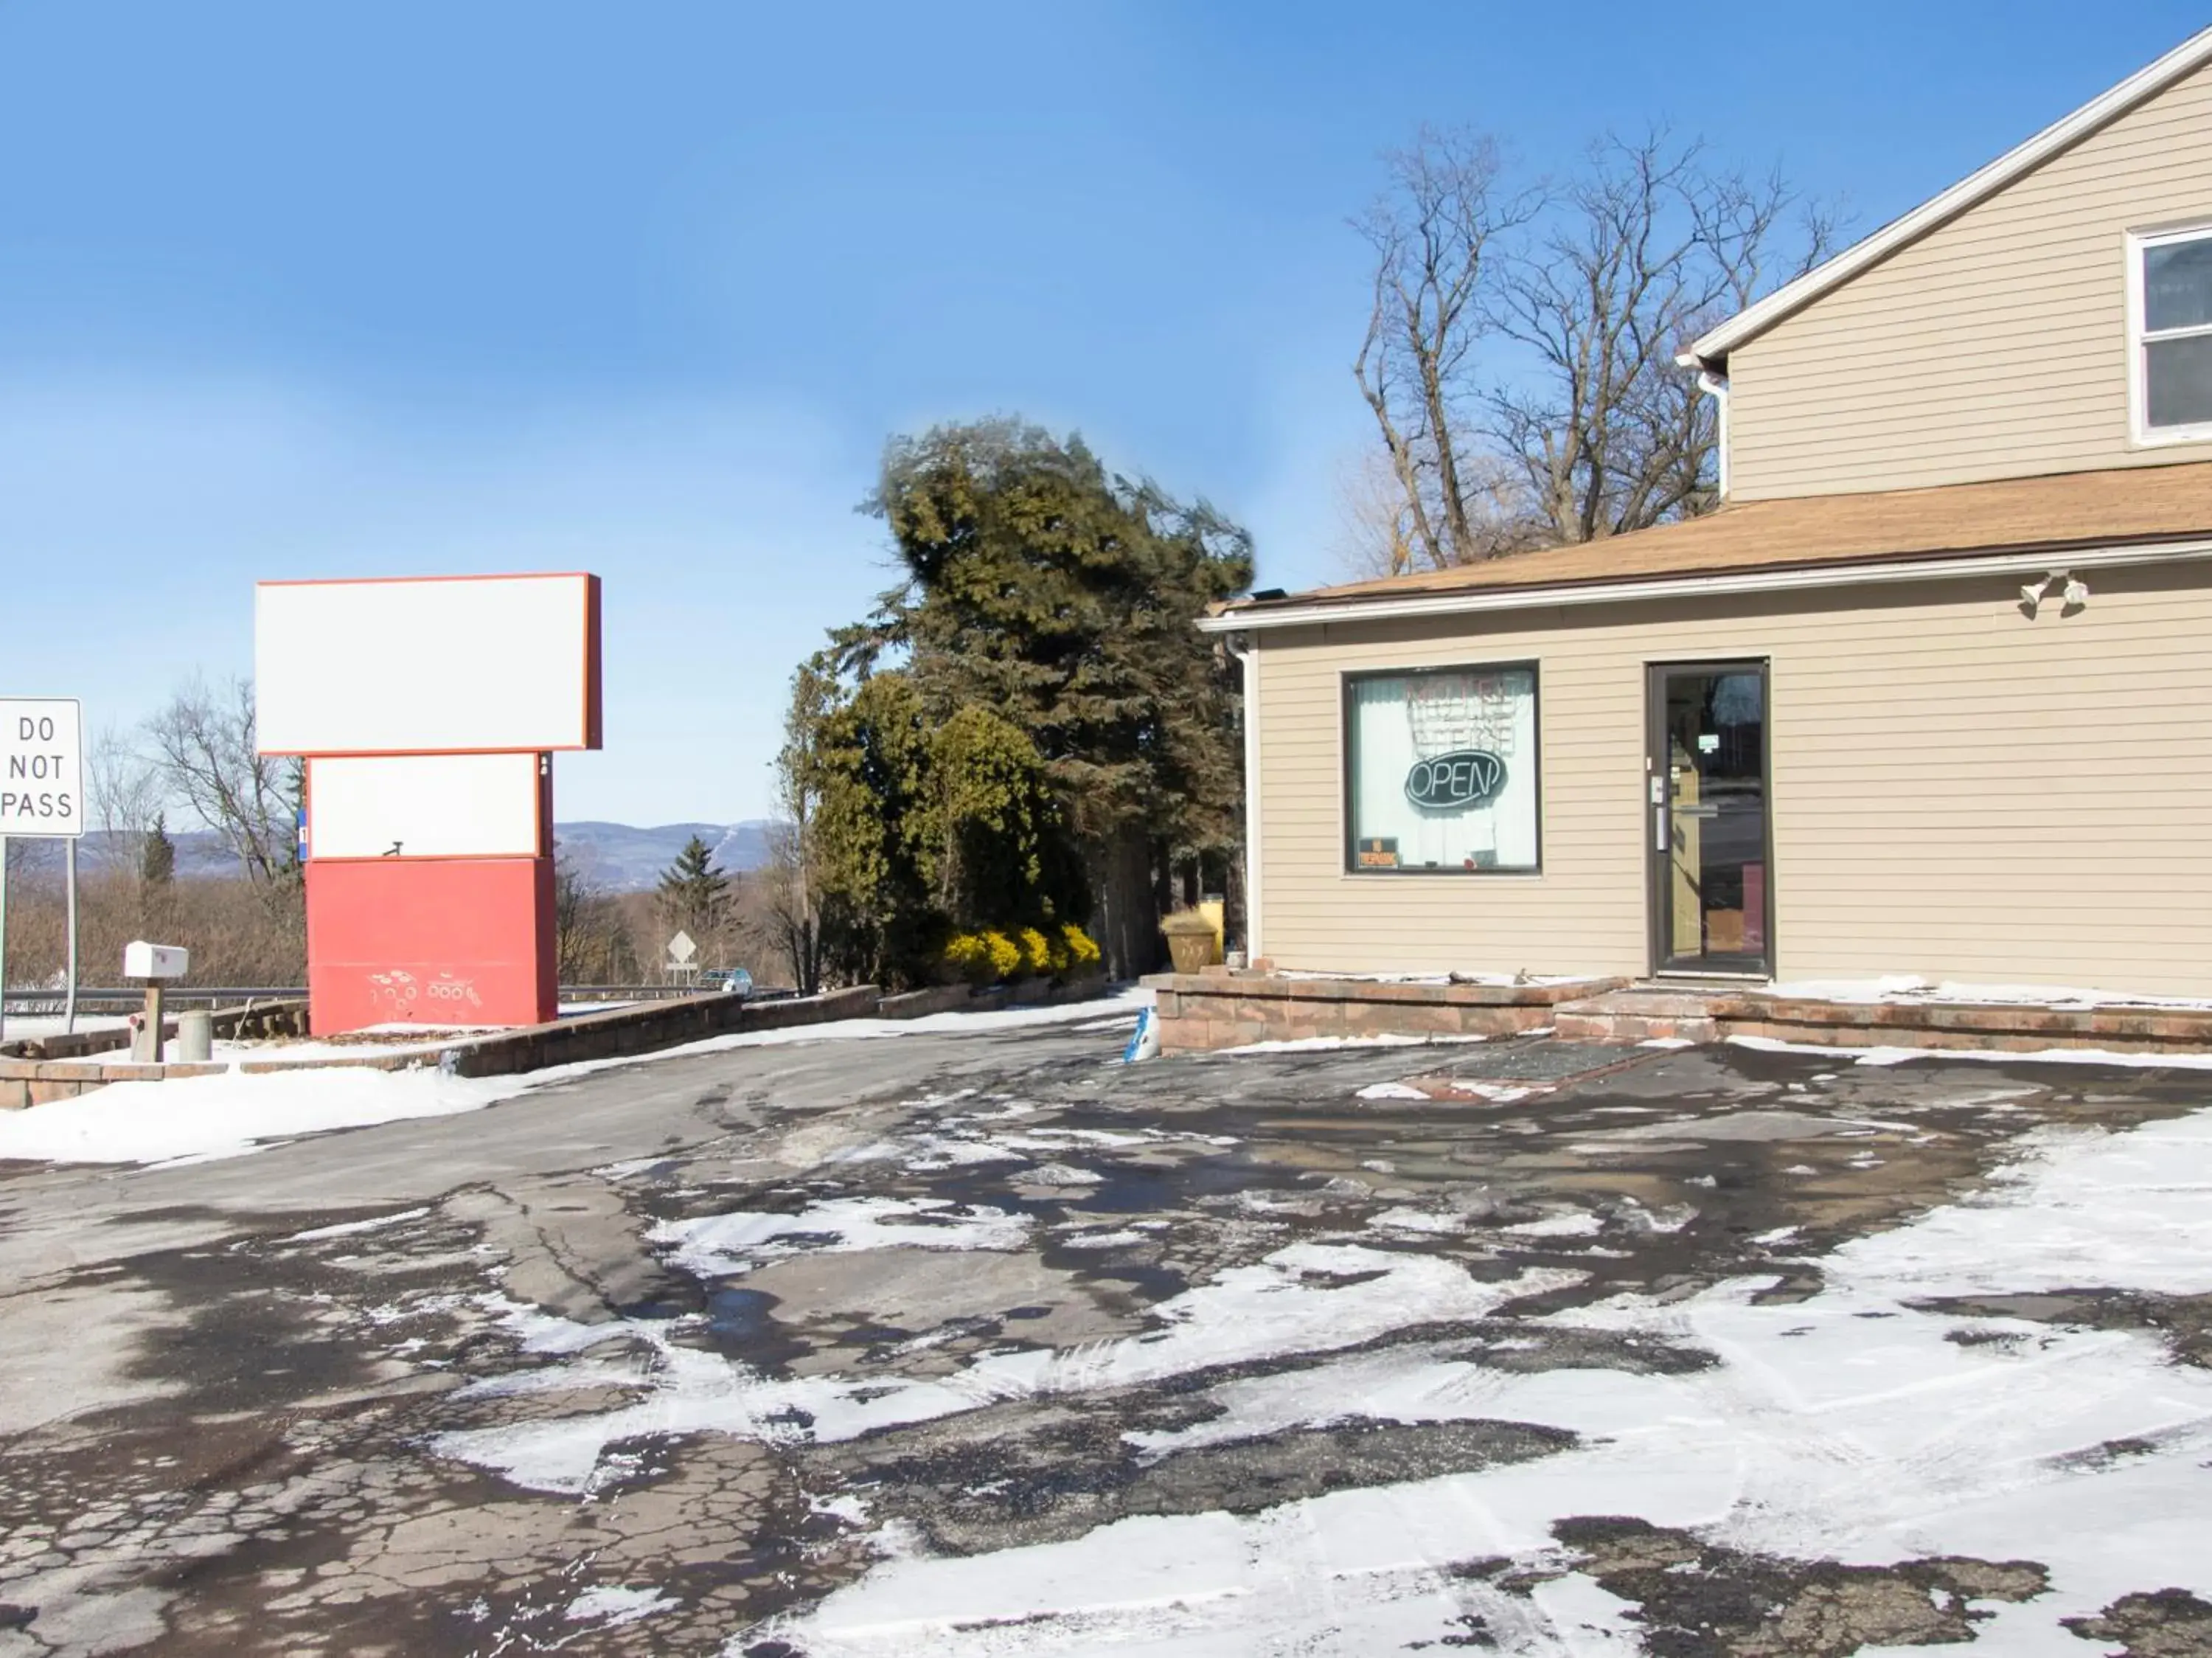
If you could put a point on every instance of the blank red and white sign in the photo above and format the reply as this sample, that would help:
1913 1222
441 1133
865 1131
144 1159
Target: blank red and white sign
425 806
428 665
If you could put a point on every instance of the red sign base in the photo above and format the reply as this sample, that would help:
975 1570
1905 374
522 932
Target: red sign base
435 943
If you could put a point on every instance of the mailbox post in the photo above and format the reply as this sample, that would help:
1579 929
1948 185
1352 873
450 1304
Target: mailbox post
154 965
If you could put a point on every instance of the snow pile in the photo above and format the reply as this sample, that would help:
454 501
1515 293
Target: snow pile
201 1118
1851 1426
717 1245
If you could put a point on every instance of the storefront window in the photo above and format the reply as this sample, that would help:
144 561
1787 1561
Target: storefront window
1442 770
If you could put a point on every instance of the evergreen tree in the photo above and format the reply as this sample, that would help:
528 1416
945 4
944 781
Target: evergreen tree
692 891
1062 598
865 759
157 859
915 833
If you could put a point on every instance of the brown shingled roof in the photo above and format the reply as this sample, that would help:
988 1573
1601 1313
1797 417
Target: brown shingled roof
2072 509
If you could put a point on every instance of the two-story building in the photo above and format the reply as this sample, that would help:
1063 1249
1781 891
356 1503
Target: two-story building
1930 693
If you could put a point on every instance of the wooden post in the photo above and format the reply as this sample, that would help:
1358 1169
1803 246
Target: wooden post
148 1045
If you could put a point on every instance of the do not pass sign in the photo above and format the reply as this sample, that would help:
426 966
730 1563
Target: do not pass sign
41 766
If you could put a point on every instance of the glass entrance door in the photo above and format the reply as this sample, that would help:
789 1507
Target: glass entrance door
1706 829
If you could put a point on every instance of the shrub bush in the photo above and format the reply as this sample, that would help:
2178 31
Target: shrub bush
1006 955
992 957
1037 954
969 957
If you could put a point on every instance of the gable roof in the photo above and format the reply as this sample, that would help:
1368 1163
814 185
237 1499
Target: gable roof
2120 515
1711 350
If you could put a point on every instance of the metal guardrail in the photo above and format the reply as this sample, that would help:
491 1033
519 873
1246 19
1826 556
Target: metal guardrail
132 996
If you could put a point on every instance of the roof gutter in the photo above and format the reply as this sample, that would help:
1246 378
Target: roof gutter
1803 578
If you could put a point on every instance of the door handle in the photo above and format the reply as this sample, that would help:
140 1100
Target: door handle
1658 828
1696 811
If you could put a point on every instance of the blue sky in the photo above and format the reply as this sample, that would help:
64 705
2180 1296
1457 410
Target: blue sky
293 290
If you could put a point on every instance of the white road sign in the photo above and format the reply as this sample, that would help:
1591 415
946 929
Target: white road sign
41 766
681 949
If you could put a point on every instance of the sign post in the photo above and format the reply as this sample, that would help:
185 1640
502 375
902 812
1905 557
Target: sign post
41 795
683 957
68 1007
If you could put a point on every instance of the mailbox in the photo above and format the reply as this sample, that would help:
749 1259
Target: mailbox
144 961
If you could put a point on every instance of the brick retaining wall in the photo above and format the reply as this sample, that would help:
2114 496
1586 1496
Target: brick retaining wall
1999 1028
1221 1008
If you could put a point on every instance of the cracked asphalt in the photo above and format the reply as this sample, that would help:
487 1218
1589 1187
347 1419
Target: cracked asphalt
664 1358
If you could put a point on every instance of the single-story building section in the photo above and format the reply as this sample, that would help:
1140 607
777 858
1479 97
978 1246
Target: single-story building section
1962 732
1927 698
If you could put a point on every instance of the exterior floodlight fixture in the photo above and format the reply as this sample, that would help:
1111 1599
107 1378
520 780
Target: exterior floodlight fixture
2073 593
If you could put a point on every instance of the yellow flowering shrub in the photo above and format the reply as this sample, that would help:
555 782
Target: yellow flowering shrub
993 957
1006 955
1037 954
968 956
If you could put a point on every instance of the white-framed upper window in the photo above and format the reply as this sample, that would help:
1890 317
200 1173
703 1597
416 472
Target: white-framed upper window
2170 335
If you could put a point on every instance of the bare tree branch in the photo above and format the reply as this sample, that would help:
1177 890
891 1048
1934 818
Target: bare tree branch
1432 235
1520 358
204 743
124 791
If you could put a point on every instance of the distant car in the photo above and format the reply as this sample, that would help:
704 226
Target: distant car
736 981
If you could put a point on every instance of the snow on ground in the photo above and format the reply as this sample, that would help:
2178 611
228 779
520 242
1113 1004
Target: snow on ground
1489 978
355 1229
611 1608
1325 1043
383 1043
233 1114
1907 988
1886 1056
716 1245
1852 1426
23 1027
1307 1297
198 1118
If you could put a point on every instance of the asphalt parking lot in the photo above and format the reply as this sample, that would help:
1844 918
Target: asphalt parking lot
988 1343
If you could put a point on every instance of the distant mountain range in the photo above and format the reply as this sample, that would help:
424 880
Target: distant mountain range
624 858
616 857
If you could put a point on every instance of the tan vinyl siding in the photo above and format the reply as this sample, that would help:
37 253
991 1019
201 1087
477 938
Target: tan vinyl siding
1957 791
1996 346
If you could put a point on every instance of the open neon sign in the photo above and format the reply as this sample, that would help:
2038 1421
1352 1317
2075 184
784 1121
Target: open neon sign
1450 782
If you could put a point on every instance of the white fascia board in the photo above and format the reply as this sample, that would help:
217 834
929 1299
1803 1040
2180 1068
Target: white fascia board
1754 320
1796 579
